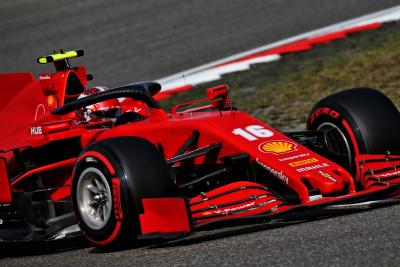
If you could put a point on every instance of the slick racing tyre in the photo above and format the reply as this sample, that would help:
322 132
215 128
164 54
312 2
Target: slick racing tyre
356 121
110 179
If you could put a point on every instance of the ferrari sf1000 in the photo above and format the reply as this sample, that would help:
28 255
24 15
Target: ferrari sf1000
112 165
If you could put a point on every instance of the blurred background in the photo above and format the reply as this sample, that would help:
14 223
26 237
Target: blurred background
128 41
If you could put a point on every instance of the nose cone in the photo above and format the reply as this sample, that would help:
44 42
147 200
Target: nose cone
327 181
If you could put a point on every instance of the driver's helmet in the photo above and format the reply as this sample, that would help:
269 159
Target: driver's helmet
108 109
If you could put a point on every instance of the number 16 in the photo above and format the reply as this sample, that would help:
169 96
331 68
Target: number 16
253 132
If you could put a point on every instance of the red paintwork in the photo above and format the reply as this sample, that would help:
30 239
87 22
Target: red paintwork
217 126
238 199
164 215
369 166
29 124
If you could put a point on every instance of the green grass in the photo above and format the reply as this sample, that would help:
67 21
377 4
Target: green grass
281 93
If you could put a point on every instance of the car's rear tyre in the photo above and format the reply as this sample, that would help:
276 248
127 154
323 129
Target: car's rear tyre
357 121
110 179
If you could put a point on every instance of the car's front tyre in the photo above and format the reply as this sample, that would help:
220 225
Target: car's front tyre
357 121
111 178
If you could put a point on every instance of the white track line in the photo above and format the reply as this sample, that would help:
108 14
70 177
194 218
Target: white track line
208 75
206 72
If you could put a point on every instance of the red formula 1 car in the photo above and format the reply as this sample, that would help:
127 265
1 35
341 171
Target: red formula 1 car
114 163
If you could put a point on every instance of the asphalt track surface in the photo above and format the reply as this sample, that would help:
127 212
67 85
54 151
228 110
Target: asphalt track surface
128 41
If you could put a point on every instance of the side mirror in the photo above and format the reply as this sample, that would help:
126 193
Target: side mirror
218 96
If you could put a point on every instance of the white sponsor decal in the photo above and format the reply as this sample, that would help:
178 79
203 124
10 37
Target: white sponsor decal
136 109
44 77
278 174
253 132
36 130
313 167
295 157
389 174
275 208
40 107
327 175
227 210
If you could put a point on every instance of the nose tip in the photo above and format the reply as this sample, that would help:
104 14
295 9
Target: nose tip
327 182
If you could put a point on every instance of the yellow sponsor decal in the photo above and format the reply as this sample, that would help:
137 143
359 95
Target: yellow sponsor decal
303 162
277 147
50 100
60 56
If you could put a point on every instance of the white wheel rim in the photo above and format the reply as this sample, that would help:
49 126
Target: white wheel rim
94 198
343 148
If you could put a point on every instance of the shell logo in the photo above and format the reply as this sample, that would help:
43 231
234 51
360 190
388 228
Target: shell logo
50 100
277 147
